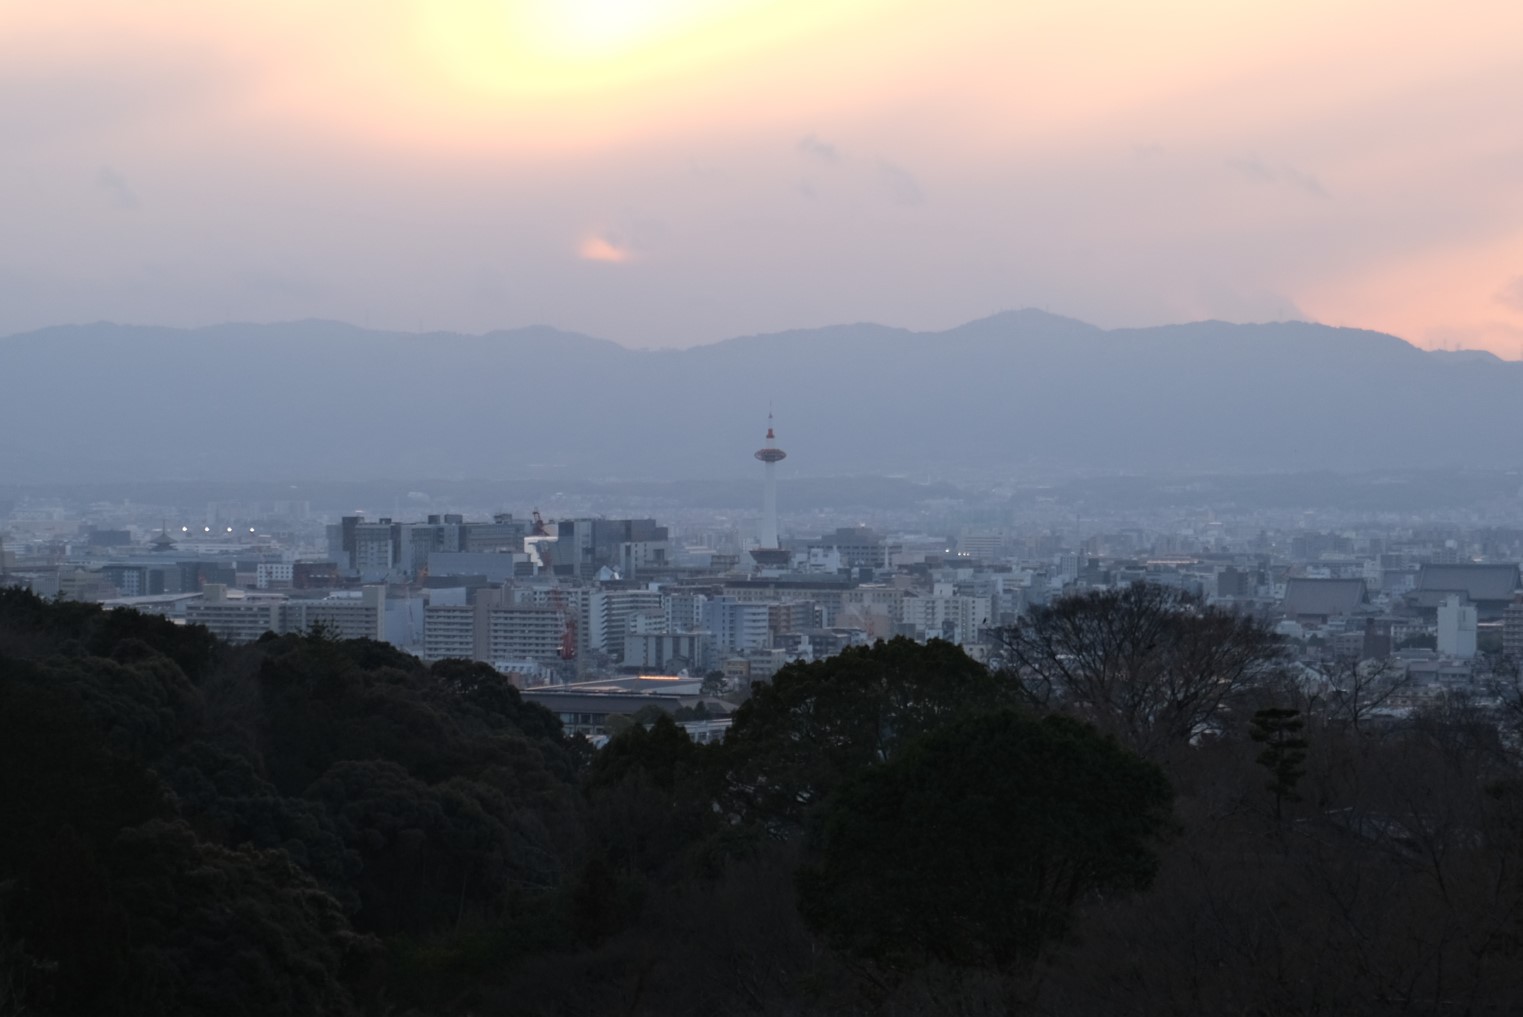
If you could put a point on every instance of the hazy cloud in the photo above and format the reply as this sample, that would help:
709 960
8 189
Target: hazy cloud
817 148
902 186
1258 170
1305 181
1147 150
117 190
602 248
631 238
1251 168
1511 295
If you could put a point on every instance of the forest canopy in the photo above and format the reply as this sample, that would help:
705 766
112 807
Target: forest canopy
306 825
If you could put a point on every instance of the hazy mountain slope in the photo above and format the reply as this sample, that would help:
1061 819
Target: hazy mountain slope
322 399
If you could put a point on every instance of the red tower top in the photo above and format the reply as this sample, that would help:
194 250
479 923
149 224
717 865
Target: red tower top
770 453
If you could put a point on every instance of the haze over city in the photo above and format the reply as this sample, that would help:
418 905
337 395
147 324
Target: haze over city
675 172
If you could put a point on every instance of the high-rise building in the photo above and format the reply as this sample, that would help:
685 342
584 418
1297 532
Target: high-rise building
449 630
737 625
611 613
630 547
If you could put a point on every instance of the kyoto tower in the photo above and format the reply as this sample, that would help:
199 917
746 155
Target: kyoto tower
769 553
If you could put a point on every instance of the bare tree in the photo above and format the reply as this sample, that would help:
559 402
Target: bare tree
1148 663
1504 686
1345 690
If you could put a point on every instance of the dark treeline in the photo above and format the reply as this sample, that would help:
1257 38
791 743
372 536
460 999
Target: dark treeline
1134 812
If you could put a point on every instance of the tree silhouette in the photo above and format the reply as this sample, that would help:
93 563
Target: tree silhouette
973 848
814 725
1278 730
1146 663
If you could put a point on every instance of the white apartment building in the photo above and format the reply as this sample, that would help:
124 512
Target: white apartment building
343 615
684 611
449 630
736 625
524 632
235 619
245 619
962 619
611 613
275 575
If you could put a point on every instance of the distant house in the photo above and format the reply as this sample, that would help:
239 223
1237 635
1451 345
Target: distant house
1314 601
1489 587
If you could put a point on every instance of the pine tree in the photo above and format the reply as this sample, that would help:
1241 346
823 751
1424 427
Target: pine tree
1278 729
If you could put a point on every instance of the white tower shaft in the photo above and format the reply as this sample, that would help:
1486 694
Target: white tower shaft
769 454
768 535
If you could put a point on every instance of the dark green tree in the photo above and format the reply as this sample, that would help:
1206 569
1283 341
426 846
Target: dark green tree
1278 729
60 772
120 908
31 627
663 753
975 846
815 725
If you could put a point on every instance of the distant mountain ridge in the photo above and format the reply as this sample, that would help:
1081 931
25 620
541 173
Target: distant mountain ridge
1019 390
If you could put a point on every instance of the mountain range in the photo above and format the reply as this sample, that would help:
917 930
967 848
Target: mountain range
1019 391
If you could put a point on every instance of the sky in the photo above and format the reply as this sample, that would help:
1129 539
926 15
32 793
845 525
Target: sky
673 172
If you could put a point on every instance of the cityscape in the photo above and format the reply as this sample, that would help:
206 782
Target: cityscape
761 508
598 617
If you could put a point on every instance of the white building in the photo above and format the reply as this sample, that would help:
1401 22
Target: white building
736 625
273 575
523 632
960 619
449 630
235 619
245 619
611 615
345 615
684 611
1456 627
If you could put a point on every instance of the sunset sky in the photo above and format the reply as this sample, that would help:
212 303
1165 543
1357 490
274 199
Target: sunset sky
679 171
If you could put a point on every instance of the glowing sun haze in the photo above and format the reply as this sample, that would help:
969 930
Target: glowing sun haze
676 171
